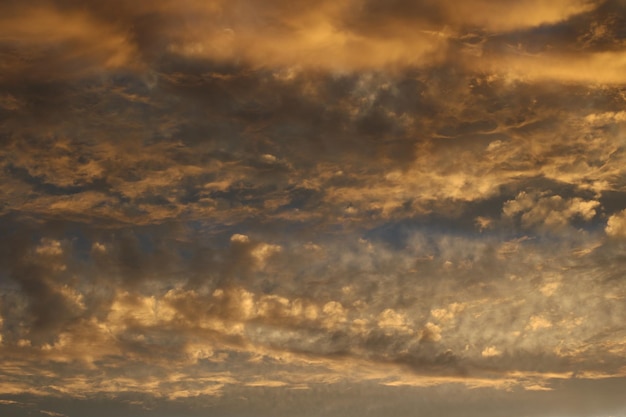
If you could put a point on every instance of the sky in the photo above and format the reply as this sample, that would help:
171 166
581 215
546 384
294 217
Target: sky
290 208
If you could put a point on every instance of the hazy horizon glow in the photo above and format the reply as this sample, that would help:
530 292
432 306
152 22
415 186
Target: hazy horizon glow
292 208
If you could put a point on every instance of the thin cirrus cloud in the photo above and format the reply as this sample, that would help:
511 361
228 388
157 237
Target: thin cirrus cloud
340 208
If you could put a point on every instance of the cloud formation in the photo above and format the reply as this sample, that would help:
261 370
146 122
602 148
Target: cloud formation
205 202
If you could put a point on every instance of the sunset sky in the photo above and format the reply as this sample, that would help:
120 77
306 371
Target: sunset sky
296 208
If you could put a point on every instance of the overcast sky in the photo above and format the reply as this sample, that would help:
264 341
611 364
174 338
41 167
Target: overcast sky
296 208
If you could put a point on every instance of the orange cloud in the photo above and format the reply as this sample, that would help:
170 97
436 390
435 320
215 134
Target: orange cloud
70 42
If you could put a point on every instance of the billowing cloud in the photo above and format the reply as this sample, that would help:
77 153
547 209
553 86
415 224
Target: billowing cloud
616 225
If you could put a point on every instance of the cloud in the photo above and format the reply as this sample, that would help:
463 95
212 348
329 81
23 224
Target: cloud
616 224
52 413
424 336
595 67
82 44
357 34
490 351
507 16
538 322
552 211
331 36
282 202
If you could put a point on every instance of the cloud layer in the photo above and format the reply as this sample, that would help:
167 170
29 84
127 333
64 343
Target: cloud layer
209 201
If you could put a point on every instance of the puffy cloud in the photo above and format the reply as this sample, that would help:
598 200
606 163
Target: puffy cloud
538 322
551 211
49 247
616 224
490 351
389 319
239 238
